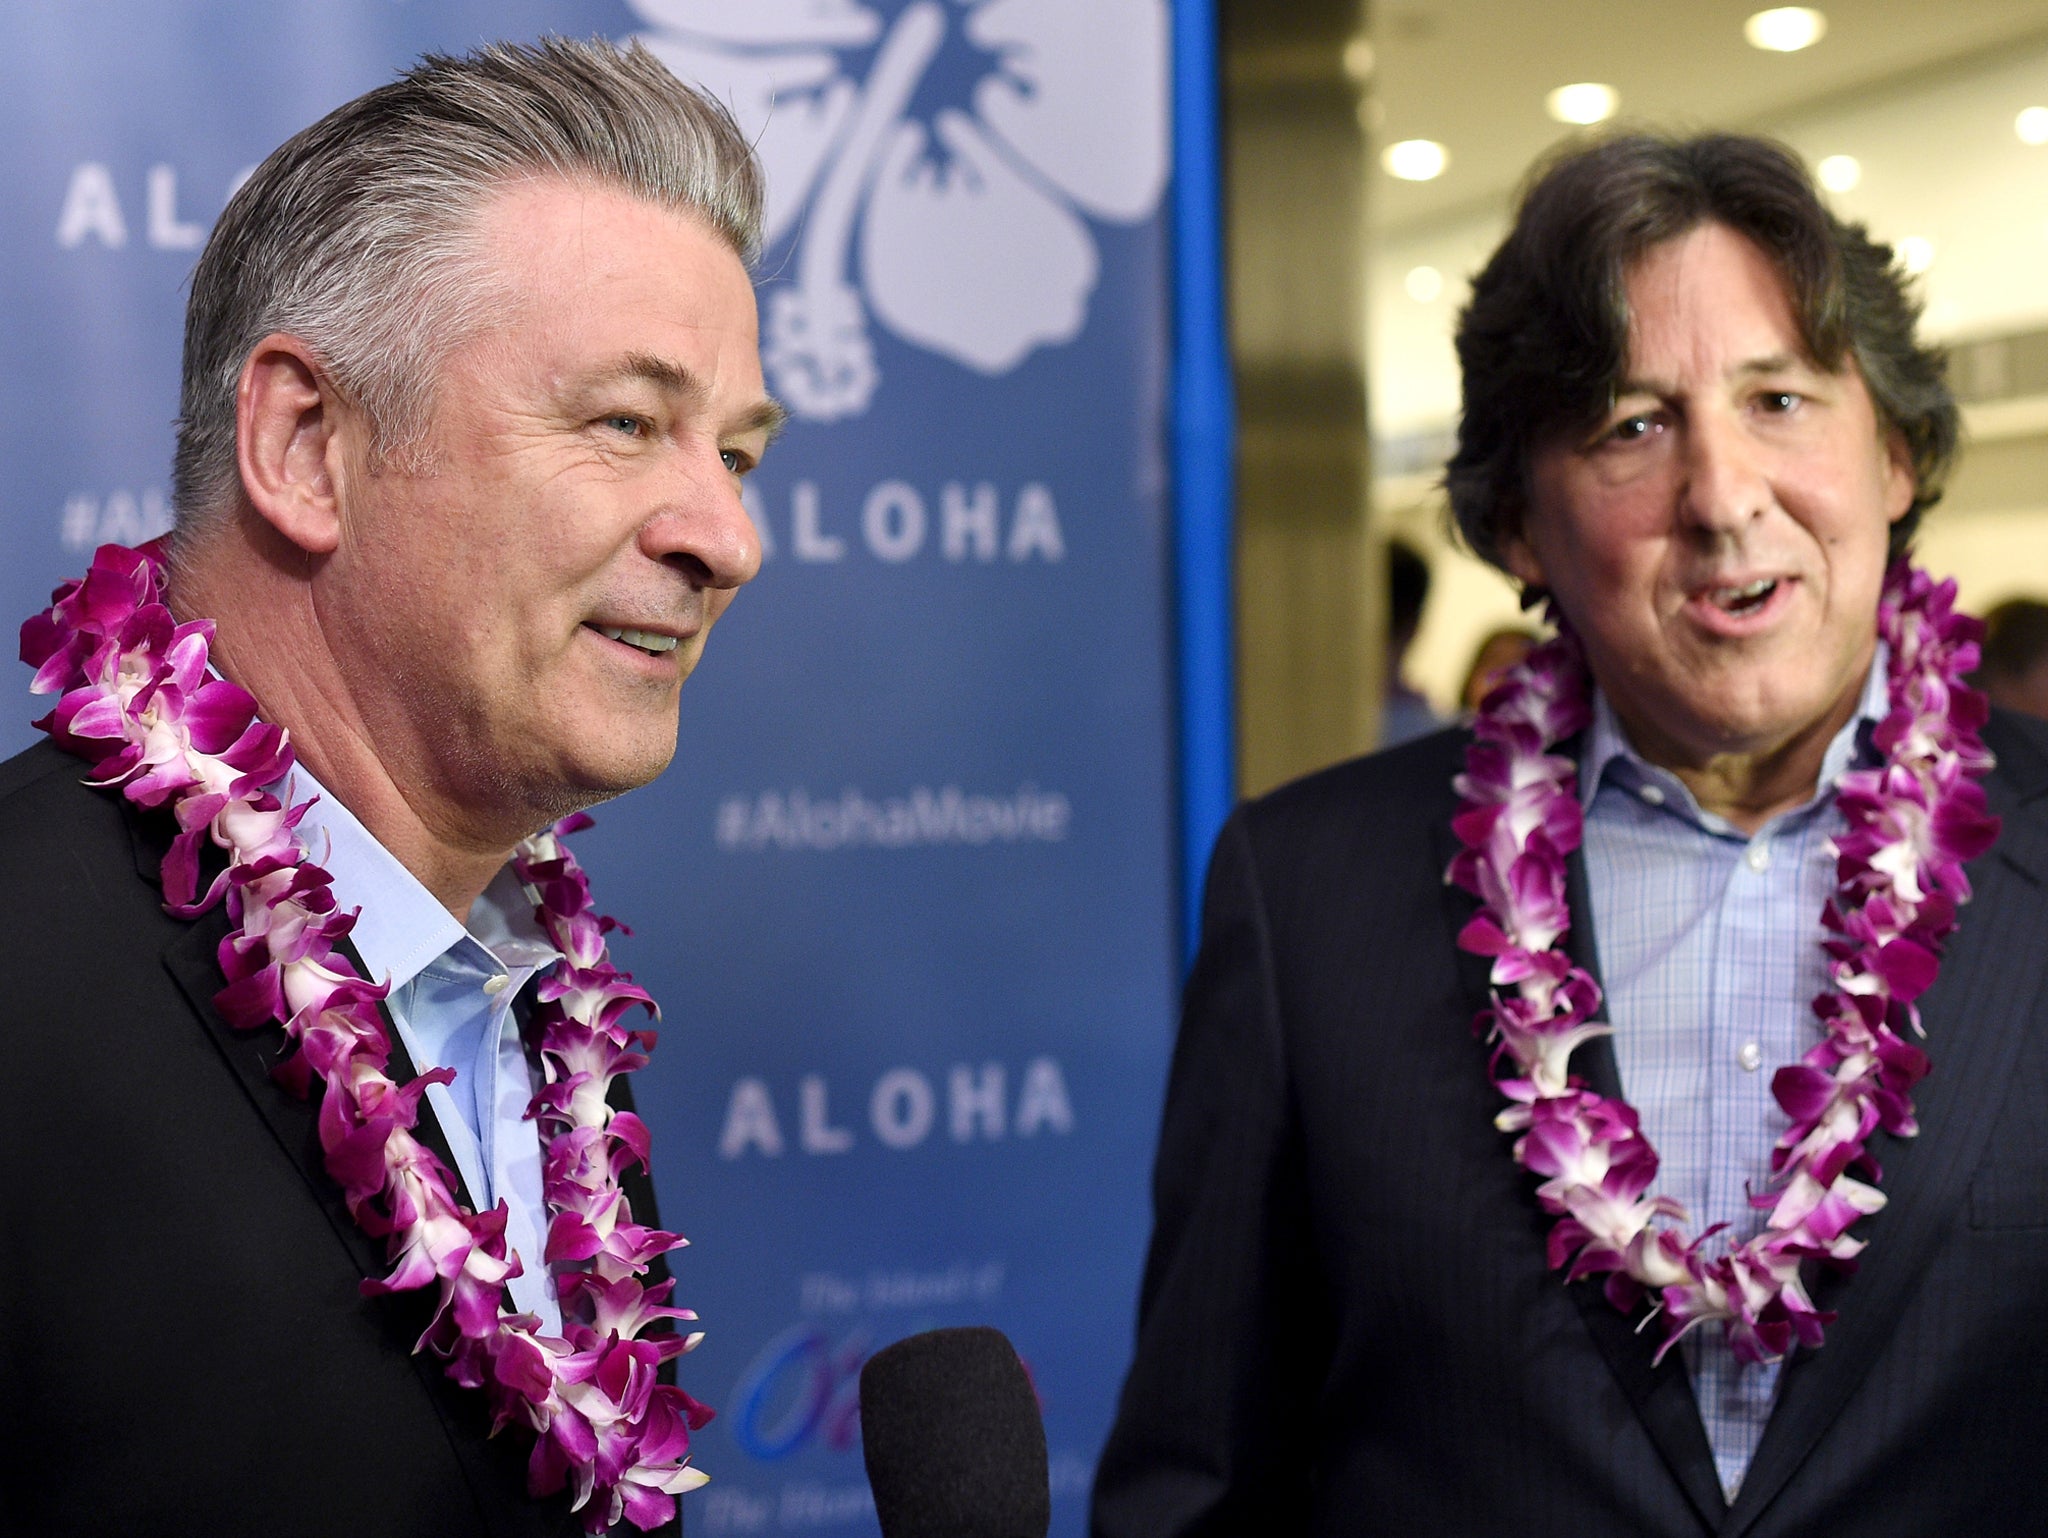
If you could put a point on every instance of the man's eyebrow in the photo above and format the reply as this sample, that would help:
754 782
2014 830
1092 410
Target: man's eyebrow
766 415
1776 363
671 378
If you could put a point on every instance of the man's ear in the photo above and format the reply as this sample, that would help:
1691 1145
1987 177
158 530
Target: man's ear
1522 561
288 424
1902 481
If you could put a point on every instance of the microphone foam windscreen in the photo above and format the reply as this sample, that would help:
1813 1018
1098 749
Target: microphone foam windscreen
954 1445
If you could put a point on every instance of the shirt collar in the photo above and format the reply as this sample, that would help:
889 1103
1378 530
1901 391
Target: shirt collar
1607 749
401 927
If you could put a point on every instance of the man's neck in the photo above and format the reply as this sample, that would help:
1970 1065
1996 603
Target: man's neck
267 640
1747 788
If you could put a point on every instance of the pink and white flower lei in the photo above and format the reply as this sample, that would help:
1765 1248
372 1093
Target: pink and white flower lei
1912 822
135 700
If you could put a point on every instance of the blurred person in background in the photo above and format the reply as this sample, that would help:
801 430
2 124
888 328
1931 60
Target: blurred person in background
1501 650
1404 713
2014 672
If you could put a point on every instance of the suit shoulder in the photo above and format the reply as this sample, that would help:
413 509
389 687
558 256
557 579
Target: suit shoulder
1394 788
1381 818
44 781
44 799
2020 743
32 771
55 827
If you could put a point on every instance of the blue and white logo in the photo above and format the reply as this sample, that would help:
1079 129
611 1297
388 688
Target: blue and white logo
961 229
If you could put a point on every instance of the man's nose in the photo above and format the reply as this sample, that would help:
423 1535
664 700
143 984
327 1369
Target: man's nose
1725 485
703 527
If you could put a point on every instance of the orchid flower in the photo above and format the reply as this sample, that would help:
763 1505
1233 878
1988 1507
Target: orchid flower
1910 826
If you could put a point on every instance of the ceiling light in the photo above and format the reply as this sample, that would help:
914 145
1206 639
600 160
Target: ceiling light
1358 60
1586 102
1415 160
1839 173
1787 29
1916 253
1423 284
2032 125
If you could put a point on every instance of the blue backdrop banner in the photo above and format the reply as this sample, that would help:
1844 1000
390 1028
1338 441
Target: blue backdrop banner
909 895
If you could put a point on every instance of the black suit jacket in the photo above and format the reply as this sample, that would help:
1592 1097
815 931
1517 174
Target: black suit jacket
1347 1325
183 1348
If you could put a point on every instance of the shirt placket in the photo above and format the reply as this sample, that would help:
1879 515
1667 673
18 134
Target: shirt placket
515 1161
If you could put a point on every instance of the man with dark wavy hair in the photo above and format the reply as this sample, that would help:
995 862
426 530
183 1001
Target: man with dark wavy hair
1728 1217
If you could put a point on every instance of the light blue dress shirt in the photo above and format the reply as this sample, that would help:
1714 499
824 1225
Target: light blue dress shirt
1709 943
451 998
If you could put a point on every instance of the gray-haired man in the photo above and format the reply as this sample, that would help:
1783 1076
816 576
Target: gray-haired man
471 382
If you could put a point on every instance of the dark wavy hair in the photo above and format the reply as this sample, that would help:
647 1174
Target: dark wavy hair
1544 341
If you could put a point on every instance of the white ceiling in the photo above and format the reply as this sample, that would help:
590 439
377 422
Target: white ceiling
1940 161
1472 74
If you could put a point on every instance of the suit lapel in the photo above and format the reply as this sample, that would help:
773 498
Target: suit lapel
192 959
1660 1391
250 1056
1661 1395
1976 1016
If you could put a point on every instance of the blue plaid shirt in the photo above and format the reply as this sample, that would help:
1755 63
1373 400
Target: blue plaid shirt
1709 946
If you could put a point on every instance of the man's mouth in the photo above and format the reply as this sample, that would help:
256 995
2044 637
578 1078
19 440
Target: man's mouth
1743 600
649 641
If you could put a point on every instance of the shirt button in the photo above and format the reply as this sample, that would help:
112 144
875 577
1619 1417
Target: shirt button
1652 795
1751 1056
496 985
1758 856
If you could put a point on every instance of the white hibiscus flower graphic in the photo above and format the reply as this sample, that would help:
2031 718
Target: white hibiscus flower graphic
966 234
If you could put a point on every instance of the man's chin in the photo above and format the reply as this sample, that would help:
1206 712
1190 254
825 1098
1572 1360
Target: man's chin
584 783
615 774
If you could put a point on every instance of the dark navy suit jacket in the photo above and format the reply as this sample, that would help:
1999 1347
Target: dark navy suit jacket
183 1346
1347 1326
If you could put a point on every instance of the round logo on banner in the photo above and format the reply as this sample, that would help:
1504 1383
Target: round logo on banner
933 172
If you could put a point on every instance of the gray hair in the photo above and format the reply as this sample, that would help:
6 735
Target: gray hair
358 234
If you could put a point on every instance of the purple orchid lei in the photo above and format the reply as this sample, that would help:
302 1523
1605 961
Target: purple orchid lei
1912 822
136 702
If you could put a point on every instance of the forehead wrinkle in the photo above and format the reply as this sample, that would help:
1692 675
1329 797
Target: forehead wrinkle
1748 368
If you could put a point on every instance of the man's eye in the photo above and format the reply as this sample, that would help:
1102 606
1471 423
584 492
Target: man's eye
1778 402
1629 429
736 463
626 423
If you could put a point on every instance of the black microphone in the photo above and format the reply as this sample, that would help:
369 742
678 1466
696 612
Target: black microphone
954 1446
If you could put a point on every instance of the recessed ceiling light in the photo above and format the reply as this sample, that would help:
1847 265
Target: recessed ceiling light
2032 125
1916 253
1787 29
1586 102
1839 173
1415 160
1423 284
